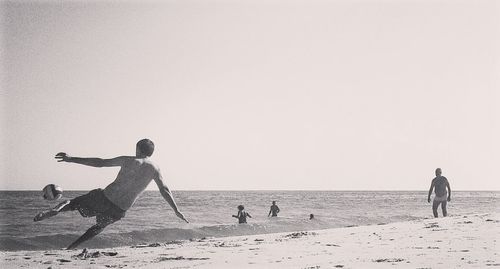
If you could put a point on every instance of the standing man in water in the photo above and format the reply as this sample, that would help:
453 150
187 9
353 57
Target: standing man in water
439 183
109 205
274 210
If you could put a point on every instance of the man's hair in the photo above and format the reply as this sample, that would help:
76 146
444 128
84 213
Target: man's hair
438 170
241 207
146 146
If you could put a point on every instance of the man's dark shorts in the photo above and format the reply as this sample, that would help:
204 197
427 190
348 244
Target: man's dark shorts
95 203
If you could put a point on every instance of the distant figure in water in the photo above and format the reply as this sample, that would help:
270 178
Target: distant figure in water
311 216
242 215
439 183
274 210
109 205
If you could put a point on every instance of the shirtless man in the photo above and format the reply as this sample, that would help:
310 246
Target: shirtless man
440 184
109 205
274 210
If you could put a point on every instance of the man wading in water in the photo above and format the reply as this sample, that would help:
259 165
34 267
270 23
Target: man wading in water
109 205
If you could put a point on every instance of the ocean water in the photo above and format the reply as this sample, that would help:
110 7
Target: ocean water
152 220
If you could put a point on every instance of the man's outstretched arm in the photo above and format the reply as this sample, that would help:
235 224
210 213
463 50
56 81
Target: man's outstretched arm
167 195
95 162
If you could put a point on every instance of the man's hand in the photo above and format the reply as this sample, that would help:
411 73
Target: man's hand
428 199
181 216
449 199
62 157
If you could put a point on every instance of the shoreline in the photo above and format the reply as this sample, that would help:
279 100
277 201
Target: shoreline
246 231
104 239
466 241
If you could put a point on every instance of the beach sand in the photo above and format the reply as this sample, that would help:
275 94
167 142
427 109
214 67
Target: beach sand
454 242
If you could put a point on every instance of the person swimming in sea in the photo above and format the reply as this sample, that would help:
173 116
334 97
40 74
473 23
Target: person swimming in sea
242 215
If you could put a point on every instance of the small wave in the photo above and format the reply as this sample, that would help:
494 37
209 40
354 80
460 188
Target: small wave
107 240
116 239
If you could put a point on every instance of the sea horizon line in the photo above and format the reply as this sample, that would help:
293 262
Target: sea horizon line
275 190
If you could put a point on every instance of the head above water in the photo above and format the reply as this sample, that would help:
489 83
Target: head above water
240 207
144 148
438 171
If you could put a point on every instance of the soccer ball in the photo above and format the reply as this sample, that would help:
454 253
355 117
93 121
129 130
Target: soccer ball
52 192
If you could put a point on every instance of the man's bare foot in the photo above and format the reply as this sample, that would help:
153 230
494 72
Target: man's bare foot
50 213
45 214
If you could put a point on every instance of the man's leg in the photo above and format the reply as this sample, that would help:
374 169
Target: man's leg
102 222
63 206
443 207
435 205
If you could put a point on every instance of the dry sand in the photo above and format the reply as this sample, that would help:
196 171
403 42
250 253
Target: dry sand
452 242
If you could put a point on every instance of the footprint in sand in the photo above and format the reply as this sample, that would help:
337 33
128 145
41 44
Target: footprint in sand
431 225
299 234
178 258
389 260
226 245
85 254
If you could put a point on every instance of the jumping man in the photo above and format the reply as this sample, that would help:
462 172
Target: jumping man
109 205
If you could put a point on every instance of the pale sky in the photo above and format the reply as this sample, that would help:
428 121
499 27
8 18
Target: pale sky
304 95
